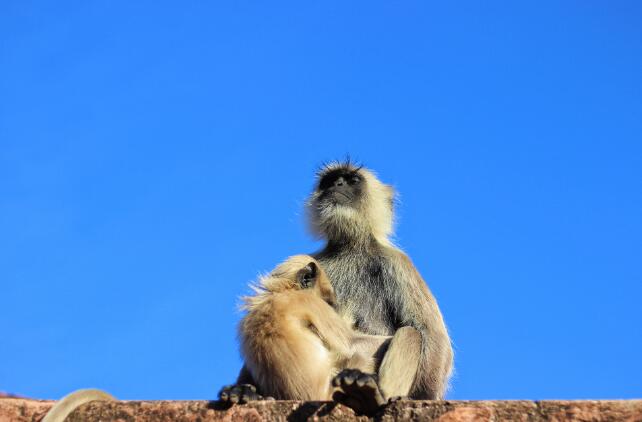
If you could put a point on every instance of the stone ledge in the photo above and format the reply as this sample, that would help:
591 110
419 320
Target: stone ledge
23 410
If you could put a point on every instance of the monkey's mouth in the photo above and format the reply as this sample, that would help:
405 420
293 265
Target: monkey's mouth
341 197
337 198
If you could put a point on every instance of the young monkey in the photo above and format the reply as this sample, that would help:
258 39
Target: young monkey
293 341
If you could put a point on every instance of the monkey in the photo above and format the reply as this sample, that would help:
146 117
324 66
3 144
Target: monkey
377 289
376 285
292 340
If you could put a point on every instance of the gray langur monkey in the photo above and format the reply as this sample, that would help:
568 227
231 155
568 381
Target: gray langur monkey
376 285
378 291
292 340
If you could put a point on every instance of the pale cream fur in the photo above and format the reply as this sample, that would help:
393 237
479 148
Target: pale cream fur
294 342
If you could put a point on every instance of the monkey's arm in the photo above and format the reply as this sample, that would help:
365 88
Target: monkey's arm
333 331
245 377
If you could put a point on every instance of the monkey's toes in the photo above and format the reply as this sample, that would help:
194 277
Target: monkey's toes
358 390
241 393
224 395
369 388
367 380
346 377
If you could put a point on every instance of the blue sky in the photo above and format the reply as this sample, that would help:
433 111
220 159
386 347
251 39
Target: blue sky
154 158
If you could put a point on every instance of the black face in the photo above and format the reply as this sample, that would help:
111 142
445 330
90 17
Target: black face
341 186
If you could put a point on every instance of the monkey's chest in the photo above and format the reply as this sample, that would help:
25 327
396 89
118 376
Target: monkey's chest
367 292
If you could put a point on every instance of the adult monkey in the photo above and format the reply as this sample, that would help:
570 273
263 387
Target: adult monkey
378 290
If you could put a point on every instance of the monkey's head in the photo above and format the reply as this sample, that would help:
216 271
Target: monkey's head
349 203
300 272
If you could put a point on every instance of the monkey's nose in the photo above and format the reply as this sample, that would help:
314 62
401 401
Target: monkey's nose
339 182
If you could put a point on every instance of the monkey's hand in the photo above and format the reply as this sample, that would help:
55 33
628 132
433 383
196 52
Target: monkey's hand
240 393
358 390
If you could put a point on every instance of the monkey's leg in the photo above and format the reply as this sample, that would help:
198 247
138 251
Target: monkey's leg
400 363
364 392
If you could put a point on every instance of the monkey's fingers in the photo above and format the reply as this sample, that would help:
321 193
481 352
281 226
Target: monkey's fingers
234 394
248 393
224 394
240 393
346 377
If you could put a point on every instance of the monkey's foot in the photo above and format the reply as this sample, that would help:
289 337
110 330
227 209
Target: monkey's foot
397 398
358 390
240 393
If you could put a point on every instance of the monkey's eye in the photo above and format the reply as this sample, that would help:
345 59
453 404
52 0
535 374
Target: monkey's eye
354 180
326 182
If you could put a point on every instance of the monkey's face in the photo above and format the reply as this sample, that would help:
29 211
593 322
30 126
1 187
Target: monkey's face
342 186
349 202
301 272
313 277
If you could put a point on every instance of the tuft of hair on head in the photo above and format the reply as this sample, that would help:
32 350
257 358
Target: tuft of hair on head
374 215
328 166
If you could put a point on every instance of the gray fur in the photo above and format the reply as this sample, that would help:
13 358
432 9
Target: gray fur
380 291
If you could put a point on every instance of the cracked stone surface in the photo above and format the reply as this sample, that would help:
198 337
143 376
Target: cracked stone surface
20 409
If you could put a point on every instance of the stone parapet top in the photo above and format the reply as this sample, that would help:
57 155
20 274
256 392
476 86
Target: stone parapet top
19 410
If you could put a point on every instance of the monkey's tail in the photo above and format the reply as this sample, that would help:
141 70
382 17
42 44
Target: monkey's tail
69 403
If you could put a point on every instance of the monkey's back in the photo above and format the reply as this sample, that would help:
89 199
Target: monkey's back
286 358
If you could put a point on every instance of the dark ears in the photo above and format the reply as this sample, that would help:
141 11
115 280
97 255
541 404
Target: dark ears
307 275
